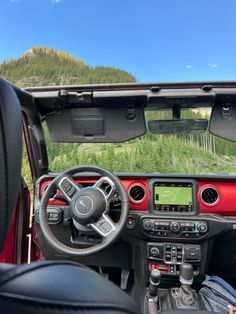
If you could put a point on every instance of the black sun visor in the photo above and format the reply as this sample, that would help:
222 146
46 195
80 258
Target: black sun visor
96 125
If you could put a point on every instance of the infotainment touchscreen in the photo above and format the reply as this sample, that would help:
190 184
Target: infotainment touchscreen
173 197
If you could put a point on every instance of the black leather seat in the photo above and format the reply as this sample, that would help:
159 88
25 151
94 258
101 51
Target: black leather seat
59 287
43 287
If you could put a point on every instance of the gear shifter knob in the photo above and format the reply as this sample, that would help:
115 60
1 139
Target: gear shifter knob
155 279
186 274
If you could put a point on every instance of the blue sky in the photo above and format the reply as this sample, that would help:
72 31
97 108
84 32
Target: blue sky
168 40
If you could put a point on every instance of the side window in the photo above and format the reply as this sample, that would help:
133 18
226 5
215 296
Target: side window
25 170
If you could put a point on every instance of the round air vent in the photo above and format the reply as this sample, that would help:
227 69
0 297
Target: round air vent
137 193
210 196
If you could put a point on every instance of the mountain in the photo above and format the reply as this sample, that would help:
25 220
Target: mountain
42 66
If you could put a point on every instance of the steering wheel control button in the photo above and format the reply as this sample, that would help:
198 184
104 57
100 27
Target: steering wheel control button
71 192
103 226
66 185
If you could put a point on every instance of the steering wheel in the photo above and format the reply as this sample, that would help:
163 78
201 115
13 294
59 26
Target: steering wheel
88 209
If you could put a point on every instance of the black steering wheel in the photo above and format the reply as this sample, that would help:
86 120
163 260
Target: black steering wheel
89 208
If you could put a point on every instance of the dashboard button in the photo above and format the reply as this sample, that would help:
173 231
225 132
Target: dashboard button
130 223
202 227
147 225
192 255
192 226
179 247
168 257
156 225
154 252
53 216
174 226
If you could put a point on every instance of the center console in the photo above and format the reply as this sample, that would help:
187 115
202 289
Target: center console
167 257
182 297
173 226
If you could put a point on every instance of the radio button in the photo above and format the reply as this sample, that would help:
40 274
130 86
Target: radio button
192 226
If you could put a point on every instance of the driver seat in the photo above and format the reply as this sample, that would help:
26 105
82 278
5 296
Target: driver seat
43 287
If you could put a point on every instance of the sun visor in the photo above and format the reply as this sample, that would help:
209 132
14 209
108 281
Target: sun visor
96 125
223 122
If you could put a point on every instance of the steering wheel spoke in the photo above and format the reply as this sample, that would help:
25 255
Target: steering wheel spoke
104 226
102 181
68 187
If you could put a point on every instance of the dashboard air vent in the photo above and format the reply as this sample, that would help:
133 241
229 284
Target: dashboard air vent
210 196
137 193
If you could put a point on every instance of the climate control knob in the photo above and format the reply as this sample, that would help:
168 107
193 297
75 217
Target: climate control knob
174 226
202 227
147 225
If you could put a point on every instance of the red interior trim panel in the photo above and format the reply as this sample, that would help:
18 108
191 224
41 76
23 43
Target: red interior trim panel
225 204
222 195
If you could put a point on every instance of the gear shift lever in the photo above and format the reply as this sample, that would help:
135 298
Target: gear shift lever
184 296
155 279
186 274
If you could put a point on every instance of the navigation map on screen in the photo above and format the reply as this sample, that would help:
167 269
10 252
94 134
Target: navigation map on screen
173 195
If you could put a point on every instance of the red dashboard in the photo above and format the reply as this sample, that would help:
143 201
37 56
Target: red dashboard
224 204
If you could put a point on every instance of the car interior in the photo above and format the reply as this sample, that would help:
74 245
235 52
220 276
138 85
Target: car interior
101 241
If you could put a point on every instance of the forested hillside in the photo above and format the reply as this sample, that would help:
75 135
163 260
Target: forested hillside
45 66
202 153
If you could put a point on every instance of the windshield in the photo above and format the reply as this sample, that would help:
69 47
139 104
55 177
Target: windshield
186 153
